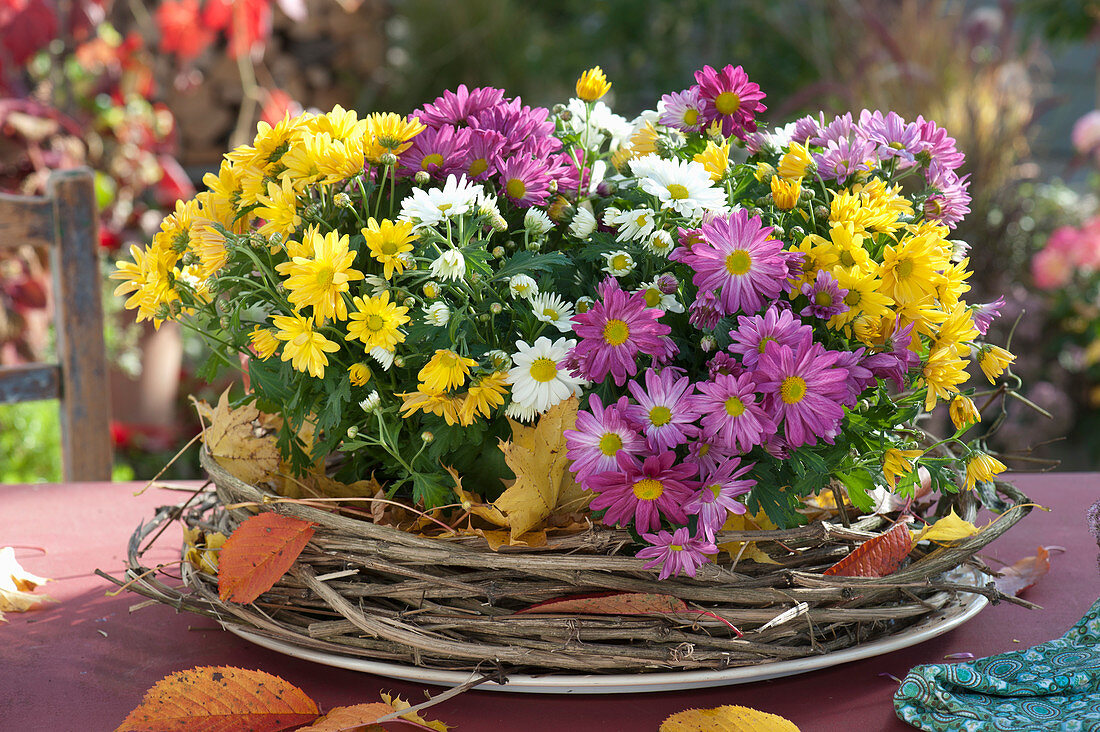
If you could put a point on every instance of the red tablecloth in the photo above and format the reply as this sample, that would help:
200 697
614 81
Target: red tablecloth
85 662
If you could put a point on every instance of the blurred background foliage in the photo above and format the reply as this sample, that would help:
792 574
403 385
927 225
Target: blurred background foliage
152 94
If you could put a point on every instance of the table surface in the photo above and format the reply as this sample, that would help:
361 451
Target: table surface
86 661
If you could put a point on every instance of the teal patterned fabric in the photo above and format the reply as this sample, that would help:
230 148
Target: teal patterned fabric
1053 686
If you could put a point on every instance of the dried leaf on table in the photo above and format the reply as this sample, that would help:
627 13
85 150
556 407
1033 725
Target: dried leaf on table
364 717
259 552
948 529
222 698
1024 573
751 552
876 557
231 438
615 603
727 718
400 704
537 456
16 585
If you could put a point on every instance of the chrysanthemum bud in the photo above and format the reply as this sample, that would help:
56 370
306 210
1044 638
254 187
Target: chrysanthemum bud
821 212
352 432
422 178
388 158
565 115
708 343
399 361
496 308
667 283
409 302
497 252
427 436
533 245
430 290
342 200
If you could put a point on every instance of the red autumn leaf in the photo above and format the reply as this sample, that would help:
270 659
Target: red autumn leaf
613 603
222 699
1024 573
258 553
876 557
358 716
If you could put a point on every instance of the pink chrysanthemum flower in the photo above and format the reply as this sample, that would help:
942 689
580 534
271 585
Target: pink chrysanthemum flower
826 297
776 325
984 313
840 128
717 497
614 331
732 415
665 409
738 259
440 152
676 552
805 128
951 203
518 124
524 181
896 358
708 453
937 146
683 111
483 147
729 97
601 434
454 107
802 391
706 311
844 157
723 364
859 376
893 137
643 493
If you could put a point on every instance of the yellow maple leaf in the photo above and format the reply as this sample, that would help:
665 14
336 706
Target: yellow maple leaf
950 528
728 718
16 585
537 456
745 522
201 549
232 440
474 503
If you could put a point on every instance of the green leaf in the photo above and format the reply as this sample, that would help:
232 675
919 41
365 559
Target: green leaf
525 262
429 491
858 483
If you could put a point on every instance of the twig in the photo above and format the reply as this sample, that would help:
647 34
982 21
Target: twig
475 679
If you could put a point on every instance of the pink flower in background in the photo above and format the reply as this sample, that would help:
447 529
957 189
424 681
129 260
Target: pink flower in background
676 552
1086 133
727 96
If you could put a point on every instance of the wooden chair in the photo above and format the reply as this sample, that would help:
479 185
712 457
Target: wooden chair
64 221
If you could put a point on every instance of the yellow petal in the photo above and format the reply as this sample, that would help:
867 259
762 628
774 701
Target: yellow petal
949 528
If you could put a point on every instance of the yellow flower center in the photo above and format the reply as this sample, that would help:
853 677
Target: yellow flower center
677 192
478 167
793 389
374 322
764 343
616 332
652 297
715 488
640 221
660 415
676 547
388 248
904 268
738 262
515 188
550 313
324 276
853 298
823 298
648 489
620 261
433 159
704 450
447 359
543 370
610 443
691 116
735 407
727 103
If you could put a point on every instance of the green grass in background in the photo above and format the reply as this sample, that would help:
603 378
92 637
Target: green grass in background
30 442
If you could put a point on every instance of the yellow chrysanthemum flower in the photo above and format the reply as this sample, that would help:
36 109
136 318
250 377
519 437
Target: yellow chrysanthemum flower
953 284
387 241
644 141
593 84
716 159
321 279
430 402
208 243
957 330
359 373
486 394
994 360
844 249
896 463
621 158
264 341
340 124
794 162
376 322
983 467
305 348
763 172
270 143
225 185
911 270
445 371
923 314
808 247
963 412
279 209
785 193
389 133
863 298
943 372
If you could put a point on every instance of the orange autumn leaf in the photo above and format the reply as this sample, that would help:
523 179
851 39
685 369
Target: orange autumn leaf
727 718
221 698
1024 573
258 553
615 603
876 557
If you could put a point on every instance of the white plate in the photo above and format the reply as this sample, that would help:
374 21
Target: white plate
951 616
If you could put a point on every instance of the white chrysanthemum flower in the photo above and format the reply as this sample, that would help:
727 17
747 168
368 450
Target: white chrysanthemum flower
583 224
437 314
487 205
498 358
450 265
520 412
609 215
377 284
654 298
428 206
635 225
383 356
684 186
619 263
537 222
602 124
371 403
549 308
660 242
584 302
523 286
540 378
